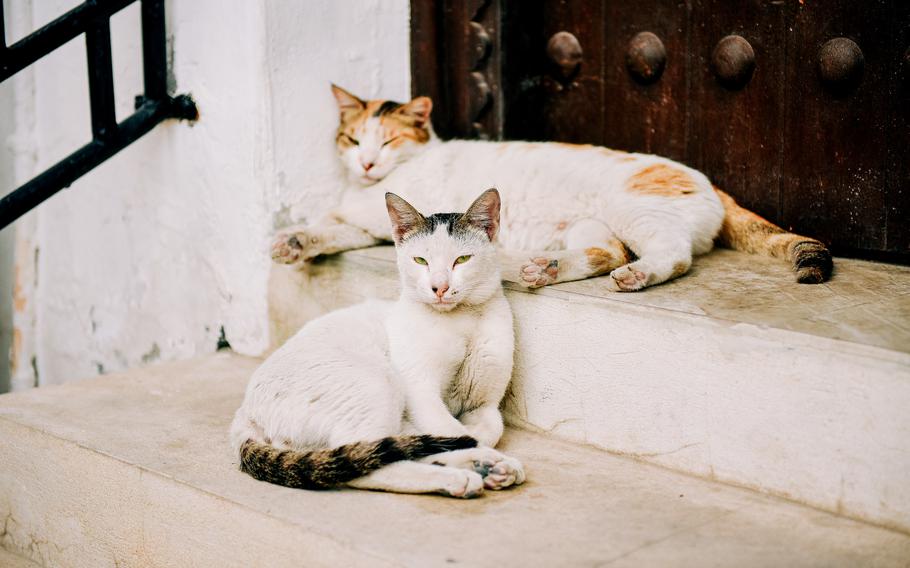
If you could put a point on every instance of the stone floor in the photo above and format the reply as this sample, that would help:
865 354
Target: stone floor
10 560
135 469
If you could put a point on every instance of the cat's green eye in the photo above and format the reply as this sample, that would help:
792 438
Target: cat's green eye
420 260
463 259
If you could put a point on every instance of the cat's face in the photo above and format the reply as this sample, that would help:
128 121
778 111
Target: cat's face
447 259
375 136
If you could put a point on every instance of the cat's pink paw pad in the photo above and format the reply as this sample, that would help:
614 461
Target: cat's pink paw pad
463 484
291 247
500 472
539 272
627 279
286 248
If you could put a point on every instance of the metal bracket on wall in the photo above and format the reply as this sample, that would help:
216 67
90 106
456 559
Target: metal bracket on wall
108 136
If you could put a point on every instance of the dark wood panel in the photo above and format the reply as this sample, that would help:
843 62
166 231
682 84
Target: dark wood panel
830 164
736 131
646 118
428 59
836 145
542 101
455 60
897 187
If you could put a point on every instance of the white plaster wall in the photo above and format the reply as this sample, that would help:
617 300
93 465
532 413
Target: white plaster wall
363 46
151 254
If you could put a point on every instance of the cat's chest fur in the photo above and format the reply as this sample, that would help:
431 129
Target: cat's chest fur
455 345
416 333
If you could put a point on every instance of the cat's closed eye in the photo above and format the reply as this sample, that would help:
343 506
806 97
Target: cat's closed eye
463 259
390 140
352 140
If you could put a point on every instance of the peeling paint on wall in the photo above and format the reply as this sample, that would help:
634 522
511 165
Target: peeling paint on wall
23 362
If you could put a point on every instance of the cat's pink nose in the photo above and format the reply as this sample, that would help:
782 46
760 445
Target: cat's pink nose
440 290
367 166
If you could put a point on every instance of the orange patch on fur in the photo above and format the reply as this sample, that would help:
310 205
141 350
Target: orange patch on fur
419 135
603 260
404 127
679 269
343 140
750 232
747 231
663 180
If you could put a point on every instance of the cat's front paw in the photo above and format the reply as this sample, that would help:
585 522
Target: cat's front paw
539 272
627 279
289 247
500 472
286 248
462 484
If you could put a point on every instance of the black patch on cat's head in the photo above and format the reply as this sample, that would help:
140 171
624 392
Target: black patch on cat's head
481 217
447 220
387 107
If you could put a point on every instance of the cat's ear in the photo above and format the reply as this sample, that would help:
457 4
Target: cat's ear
418 110
484 213
405 219
347 103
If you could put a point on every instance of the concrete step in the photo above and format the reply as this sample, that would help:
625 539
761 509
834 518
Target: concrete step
135 470
732 373
10 560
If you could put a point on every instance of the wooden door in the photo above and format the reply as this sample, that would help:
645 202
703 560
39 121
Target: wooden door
798 108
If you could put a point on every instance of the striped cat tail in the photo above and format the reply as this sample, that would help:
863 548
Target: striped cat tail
325 468
744 230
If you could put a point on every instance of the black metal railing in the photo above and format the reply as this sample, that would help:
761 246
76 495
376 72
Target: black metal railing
108 136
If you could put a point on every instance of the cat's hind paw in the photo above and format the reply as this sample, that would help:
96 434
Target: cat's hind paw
539 272
627 279
500 471
463 484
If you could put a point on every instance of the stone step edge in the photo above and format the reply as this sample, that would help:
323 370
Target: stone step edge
789 337
518 424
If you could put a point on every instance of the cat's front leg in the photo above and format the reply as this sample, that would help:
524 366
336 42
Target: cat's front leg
428 414
484 424
303 243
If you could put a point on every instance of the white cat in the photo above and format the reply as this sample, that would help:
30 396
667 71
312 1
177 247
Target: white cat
572 211
358 393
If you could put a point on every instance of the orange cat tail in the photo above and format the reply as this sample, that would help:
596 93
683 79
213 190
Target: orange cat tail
744 230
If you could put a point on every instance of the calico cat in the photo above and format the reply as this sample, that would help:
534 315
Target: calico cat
398 396
573 211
